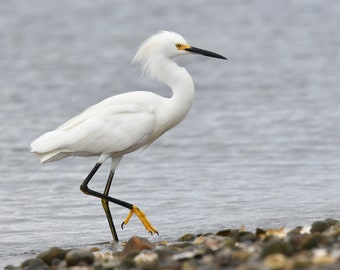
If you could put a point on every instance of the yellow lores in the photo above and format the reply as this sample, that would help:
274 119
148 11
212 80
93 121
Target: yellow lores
182 46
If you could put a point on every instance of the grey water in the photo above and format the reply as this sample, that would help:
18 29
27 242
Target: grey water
260 146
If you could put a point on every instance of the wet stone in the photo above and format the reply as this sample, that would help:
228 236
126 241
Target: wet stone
146 258
180 245
245 237
252 266
277 246
260 233
51 254
128 260
11 267
187 254
232 249
224 233
214 242
313 241
34 264
319 226
335 234
296 230
56 263
200 239
205 234
187 237
276 261
323 260
136 244
79 257
276 233
240 256
302 261
331 221
295 240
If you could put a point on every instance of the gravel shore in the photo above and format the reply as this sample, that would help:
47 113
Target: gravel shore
315 247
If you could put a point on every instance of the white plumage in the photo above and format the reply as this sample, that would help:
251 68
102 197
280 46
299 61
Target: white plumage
124 123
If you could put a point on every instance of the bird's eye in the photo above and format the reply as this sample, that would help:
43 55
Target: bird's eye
178 45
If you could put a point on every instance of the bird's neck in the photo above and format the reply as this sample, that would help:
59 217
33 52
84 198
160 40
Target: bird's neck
182 86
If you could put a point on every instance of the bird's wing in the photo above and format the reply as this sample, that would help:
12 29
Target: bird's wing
101 129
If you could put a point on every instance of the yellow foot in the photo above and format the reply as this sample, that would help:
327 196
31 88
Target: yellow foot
140 214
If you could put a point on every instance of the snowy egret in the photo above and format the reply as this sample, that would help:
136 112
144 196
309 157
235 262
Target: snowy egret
124 123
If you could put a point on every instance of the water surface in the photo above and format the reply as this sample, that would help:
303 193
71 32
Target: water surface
259 147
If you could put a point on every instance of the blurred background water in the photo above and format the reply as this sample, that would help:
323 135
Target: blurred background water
260 146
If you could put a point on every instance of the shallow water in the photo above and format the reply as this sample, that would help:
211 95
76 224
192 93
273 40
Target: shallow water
260 147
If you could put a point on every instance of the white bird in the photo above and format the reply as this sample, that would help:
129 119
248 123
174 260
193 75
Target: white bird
124 123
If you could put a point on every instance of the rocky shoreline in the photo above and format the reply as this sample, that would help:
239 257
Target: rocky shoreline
316 247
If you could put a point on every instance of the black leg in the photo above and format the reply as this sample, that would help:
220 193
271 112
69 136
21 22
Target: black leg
105 204
105 197
84 188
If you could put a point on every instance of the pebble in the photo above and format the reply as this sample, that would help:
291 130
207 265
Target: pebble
79 256
315 247
313 240
187 237
34 264
214 242
53 253
277 246
146 258
276 261
245 237
137 244
319 226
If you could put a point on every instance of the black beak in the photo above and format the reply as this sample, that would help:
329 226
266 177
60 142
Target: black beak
204 52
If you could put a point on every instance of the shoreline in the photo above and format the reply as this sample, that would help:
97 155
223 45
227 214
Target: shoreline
315 247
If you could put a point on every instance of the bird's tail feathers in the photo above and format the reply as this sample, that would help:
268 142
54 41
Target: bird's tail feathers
52 156
49 147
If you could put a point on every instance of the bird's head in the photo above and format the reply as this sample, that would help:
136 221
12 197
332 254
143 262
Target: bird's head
166 45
